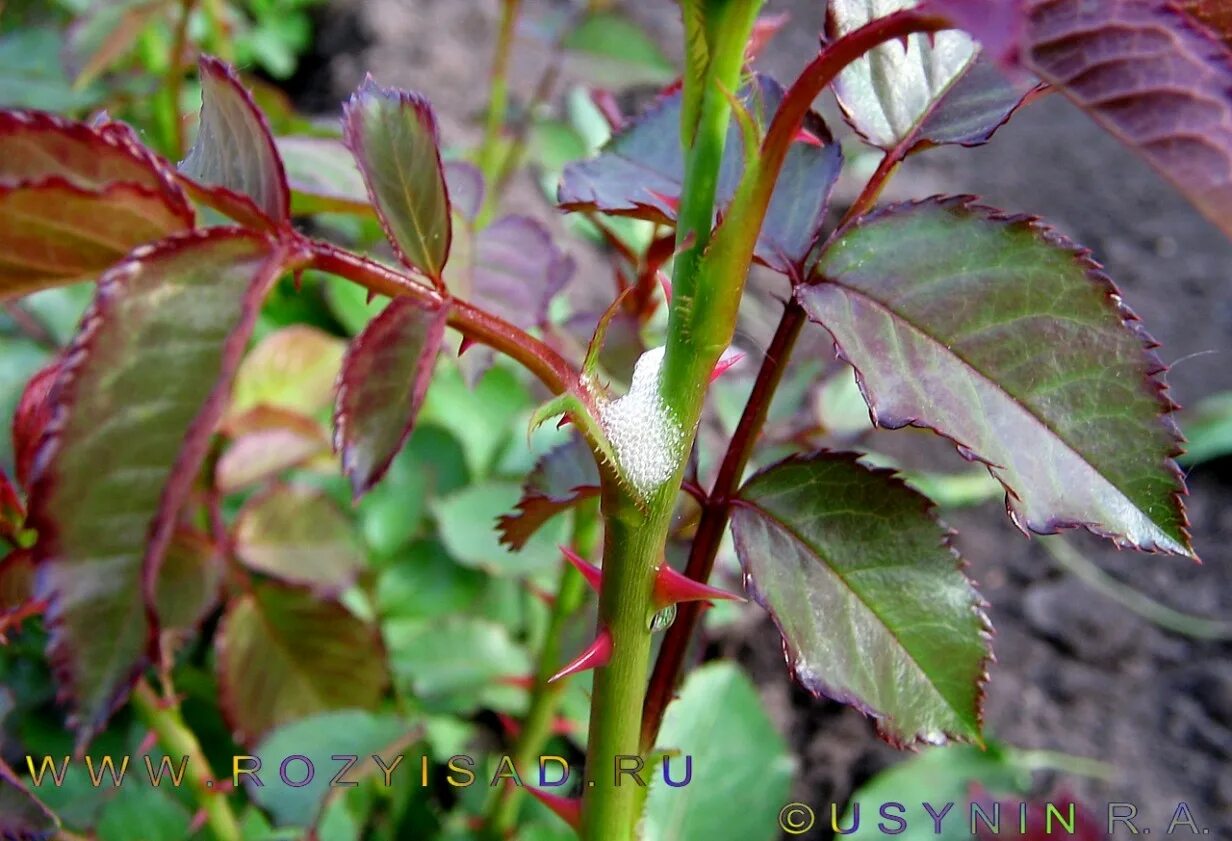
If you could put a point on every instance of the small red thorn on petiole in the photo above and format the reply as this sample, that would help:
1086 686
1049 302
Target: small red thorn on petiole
597 654
672 587
563 422
726 362
568 809
518 681
466 344
592 574
806 136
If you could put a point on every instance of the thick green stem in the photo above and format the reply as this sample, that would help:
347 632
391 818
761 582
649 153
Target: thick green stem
545 697
178 741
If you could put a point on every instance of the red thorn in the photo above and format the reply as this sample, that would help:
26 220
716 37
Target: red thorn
562 726
509 724
726 362
198 821
806 136
568 809
666 284
518 681
905 41
672 202
371 296
563 422
672 587
298 280
597 654
592 574
148 742
466 344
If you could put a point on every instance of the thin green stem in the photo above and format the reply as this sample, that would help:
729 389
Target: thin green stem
163 717
489 157
220 35
545 696
174 81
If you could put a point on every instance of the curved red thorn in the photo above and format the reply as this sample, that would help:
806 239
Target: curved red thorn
597 654
592 574
509 724
672 587
466 344
564 421
568 809
666 284
806 136
517 681
726 362
672 202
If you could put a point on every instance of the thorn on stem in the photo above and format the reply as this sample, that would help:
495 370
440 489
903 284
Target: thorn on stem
592 574
672 587
597 654
568 809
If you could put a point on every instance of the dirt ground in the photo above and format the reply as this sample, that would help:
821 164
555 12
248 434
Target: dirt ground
1076 672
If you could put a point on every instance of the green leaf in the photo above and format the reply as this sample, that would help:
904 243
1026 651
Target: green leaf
322 176
234 150
1004 337
188 583
22 816
936 776
344 733
886 92
297 534
871 601
135 402
424 582
741 767
482 418
284 654
456 662
32 75
1208 429
385 375
293 368
394 139
617 51
467 522
139 810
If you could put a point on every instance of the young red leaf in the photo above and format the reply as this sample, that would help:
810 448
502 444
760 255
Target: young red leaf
292 369
266 441
234 150
22 816
284 653
518 270
394 138
1021 352
385 375
872 603
139 393
298 535
16 587
562 478
31 419
53 232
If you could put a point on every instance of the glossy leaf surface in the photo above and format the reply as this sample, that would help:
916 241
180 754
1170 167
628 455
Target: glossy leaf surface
136 400
872 603
394 138
234 148
384 378
284 653
1004 337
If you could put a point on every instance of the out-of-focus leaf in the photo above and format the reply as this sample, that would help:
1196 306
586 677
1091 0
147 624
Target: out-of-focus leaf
319 738
563 478
136 400
1208 429
265 442
454 660
234 149
16 584
617 51
394 138
284 654
935 775
32 75
189 580
322 176
105 34
293 369
481 418
886 92
1041 818
872 604
385 375
424 582
1155 73
298 535
139 810
466 188
517 270
640 173
467 523
1004 337
22 816
737 765
32 418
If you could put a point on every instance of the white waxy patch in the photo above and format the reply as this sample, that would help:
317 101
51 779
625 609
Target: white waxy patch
644 435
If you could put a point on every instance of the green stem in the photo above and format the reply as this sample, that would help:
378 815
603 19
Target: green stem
177 740
220 36
498 97
175 77
545 697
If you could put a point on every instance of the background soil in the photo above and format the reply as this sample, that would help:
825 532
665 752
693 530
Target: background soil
1075 671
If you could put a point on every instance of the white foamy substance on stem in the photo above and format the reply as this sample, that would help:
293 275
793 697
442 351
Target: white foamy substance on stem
641 428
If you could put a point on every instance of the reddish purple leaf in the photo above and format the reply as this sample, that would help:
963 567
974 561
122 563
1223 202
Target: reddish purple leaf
385 374
235 150
284 653
466 188
971 110
393 136
22 816
563 478
31 419
138 395
265 442
517 270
